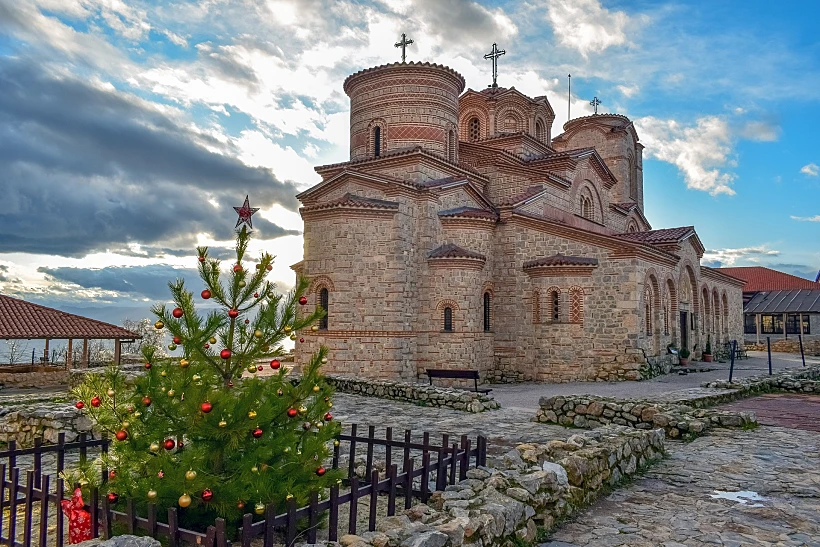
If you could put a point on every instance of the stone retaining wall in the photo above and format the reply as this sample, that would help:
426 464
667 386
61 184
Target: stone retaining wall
811 345
533 485
457 399
677 420
46 420
802 379
40 377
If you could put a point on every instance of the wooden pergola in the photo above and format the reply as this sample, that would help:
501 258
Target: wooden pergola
23 320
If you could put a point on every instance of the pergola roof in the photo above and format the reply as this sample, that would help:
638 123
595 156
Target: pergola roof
21 319
795 301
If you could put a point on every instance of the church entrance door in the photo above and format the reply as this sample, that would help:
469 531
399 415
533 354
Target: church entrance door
684 329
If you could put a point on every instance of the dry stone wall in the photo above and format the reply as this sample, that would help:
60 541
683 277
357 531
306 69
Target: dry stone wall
800 380
35 378
532 486
47 420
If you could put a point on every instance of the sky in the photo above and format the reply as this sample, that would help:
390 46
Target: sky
130 129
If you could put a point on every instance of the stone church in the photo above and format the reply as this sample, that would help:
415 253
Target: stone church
462 233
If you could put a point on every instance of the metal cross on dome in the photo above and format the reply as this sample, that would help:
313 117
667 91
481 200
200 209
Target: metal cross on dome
245 213
403 43
595 102
494 55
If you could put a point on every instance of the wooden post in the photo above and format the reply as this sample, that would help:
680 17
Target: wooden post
84 358
69 354
785 333
757 326
45 352
117 351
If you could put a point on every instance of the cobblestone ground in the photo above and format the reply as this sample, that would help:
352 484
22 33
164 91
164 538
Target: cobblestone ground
733 488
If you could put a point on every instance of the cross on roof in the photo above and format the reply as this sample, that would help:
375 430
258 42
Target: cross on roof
494 55
403 43
595 102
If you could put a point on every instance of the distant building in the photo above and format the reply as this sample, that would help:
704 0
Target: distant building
778 305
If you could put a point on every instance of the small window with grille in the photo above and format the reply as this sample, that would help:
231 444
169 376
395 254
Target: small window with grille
324 302
475 129
448 319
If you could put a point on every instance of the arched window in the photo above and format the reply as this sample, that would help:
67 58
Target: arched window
633 179
586 207
576 305
632 227
448 319
324 302
474 129
540 134
536 306
487 308
555 304
647 305
377 141
451 145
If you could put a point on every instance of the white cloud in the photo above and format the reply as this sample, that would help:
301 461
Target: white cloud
763 131
815 218
728 257
257 150
811 170
586 26
629 91
700 152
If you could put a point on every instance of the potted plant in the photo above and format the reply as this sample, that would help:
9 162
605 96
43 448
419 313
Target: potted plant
683 354
707 351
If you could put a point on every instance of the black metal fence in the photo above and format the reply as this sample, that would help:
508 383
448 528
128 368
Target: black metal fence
30 512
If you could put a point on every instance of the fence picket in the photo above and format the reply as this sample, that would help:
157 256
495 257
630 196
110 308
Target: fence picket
374 499
131 524
371 434
354 505
60 493
94 504
60 453
27 509
44 489
2 495
270 520
313 515
391 492
38 460
389 448
173 527
333 519
465 458
291 534
152 520
408 487
351 467
247 529
453 461
441 469
221 536
408 435
15 482
425 476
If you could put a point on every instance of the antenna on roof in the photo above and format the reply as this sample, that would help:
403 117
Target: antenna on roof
569 97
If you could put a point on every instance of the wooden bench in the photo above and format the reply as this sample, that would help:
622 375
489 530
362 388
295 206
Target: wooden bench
466 374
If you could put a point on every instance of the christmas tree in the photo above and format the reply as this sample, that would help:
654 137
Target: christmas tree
191 431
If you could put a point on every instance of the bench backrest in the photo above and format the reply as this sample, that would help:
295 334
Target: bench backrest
441 373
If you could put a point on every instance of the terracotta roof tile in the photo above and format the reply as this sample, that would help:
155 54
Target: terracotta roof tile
758 278
410 65
561 260
442 182
451 250
530 192
21 319
471 212
664 235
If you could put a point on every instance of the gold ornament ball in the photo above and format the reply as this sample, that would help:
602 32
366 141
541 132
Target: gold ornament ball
252 369
335 443
242 284
287 449
289 497
110 392
184 500
320 425
259 508
154 447
252 414
302 410
314 328
324 360
293 337
163 373
152 495
137 414
315 388
196 377
330 405
125 425
184 363
223 423
158 325
171 393
254 469
287 328
190 474
212 340
258 333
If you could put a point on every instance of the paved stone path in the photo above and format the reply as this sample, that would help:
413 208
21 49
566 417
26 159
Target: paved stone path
734 488
525 396
783 409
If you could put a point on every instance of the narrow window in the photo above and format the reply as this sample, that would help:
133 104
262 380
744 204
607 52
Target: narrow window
648 320
324 301
448 319
377 141
749 324
475 129
556 309
665 319
536 307
451 145
487 302
539 131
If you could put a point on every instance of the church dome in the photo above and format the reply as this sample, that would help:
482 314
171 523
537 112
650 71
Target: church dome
402 105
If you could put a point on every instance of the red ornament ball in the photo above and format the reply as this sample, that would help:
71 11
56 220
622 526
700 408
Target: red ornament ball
247 321
256 295
206 294
230 383
169 444
113 497
177 340
207 345
80 405
202 259
237 268
292 412
275 364
225 353
147 365
112 475
328 416
180 444
207 495
321 471
303 300
96 402
121 435
260 368
269 267
146 400
240 504
206 407
177 312
233 314
257 432
302 340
